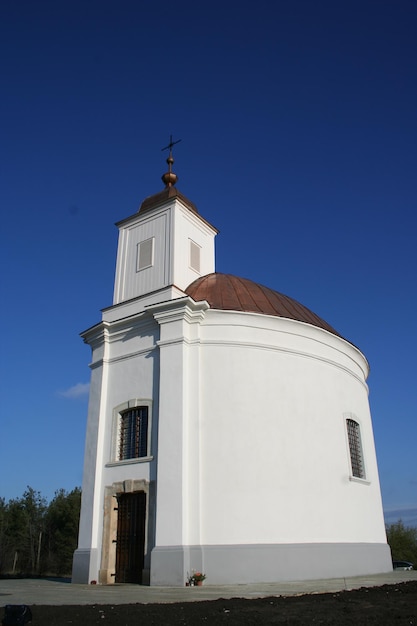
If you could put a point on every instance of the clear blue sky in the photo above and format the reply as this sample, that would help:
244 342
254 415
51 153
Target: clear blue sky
298 127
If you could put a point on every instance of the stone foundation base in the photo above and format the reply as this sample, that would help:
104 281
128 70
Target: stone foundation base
240 564
84 566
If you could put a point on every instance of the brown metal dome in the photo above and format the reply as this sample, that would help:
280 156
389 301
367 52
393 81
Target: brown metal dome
231 293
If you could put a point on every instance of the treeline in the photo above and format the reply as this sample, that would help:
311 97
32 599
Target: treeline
403 542
37 538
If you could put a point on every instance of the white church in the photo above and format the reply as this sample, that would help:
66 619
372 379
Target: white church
229 429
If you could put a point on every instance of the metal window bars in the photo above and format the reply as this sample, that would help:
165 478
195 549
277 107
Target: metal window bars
355 448
133 440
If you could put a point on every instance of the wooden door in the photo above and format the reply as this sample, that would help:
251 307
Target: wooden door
130 547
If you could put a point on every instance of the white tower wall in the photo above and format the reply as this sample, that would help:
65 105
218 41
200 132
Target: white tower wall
169 233
125 370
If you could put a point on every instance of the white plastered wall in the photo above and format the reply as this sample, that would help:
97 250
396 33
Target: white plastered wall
124 354
251 445
171 227
188 228
178 487
274 456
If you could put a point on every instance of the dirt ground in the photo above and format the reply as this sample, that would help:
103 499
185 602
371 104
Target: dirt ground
390 605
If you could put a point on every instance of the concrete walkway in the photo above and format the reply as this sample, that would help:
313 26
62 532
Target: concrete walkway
53 592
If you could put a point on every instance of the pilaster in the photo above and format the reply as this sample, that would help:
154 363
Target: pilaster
178 463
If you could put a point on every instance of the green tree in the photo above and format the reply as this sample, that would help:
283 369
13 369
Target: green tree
23 531
403 542
34 507
62 520
36 537
15 535
4 547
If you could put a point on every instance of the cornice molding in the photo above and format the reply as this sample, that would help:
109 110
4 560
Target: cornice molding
182 309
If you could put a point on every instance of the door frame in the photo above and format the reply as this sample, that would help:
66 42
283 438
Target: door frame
130 545
107 572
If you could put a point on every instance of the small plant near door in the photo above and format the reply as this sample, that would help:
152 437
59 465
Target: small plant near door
196 579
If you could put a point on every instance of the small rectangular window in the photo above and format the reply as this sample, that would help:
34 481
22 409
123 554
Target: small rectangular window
145 254
355 448
133 439
195 256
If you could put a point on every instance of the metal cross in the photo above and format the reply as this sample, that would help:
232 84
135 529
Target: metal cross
171 143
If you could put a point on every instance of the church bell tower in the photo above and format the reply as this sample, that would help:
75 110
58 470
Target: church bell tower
164 247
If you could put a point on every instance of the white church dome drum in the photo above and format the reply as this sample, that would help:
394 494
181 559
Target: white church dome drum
288 473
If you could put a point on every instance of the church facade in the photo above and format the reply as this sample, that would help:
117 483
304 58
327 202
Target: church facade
229 429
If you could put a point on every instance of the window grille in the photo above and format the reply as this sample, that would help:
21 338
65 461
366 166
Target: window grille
355 448
133 442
